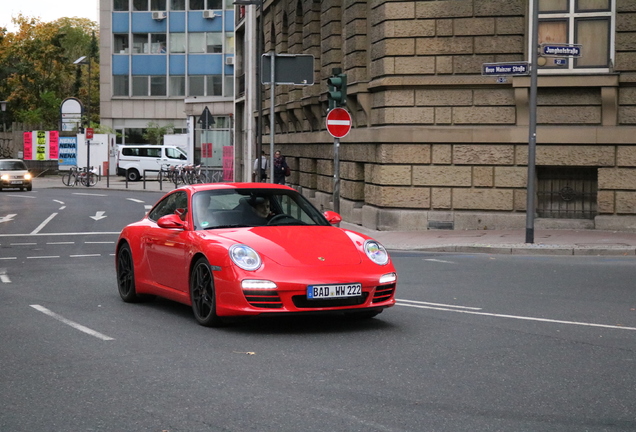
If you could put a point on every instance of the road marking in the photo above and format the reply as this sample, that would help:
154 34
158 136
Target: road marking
438 304
59 202
517 317
98 215
134 200
43 257
43 224
84 255
62 234
104 242
4 277
62 208
9 258
22 244
7 218
439 261
89 194
60 243
71 323
22 196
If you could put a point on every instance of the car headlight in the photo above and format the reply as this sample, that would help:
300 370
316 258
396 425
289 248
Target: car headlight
27 176
376 252
245 257
5 177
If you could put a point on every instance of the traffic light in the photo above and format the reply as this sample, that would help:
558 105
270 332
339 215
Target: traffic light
337 94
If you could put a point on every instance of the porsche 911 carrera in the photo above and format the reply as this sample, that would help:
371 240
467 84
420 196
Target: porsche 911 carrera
246 249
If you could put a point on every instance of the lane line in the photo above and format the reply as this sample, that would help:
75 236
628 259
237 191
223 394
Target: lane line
43 224
22 244
134 200
9 258
43 257
439 261
22 196
60 243
73 324
59 202
438 304
99 242
523 318
84 255
89 194
62 234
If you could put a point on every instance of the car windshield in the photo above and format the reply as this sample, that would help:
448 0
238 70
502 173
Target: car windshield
229 208
10 165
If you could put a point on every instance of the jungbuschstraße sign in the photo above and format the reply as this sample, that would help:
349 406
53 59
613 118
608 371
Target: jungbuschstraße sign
561 50
498 69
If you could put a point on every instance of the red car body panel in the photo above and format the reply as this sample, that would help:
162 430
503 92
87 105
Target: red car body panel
293 257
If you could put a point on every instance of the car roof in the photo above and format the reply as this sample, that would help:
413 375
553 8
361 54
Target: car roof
217 186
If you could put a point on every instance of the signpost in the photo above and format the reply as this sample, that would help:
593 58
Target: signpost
338 125
505 69
561 50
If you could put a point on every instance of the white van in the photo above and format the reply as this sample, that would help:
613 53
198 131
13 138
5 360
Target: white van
132 160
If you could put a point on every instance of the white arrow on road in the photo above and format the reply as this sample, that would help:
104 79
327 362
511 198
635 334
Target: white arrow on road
98 215
7 218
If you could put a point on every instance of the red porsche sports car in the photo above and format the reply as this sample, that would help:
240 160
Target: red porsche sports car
246 249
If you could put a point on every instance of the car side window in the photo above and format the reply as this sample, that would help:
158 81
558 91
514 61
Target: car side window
174 201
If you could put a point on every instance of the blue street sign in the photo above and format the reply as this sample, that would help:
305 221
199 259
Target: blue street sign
498 69
560 62
561 50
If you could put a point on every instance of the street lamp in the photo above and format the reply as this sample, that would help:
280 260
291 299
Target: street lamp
84 60
259 84
3 108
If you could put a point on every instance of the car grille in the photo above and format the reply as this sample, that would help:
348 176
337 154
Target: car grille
383 293
263 299
301 302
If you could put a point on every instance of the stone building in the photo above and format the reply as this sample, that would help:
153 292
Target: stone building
435 143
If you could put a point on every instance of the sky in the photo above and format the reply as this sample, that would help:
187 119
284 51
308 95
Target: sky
47 10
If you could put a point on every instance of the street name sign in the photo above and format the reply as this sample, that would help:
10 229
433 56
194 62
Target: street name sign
338 122
500 69
561 50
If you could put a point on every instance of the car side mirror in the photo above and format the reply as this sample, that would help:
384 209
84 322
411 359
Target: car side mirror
332 217
171 221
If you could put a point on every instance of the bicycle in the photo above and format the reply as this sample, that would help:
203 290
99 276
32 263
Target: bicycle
77 175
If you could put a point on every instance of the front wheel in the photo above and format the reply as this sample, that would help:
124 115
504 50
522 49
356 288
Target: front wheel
126 276
66 179
203 294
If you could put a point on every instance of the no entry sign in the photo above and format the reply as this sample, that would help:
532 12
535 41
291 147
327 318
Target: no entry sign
338 122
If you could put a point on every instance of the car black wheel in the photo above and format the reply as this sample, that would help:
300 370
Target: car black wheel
133 175
126 276
203 295
29 188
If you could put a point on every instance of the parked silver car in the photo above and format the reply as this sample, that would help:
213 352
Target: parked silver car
14 174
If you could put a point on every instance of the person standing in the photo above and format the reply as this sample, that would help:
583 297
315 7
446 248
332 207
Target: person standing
260 174
281 169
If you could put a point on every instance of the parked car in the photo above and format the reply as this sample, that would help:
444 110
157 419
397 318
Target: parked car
14 174
249 249
134 160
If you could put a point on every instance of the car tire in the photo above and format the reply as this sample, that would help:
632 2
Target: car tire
133 175
203 294
126 277
29 188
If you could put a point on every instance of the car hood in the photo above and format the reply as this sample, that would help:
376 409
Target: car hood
297 246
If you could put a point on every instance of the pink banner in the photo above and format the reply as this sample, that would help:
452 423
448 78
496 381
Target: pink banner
27 137
54 144
228 163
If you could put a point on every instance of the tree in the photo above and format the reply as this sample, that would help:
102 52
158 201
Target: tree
154 132
37 71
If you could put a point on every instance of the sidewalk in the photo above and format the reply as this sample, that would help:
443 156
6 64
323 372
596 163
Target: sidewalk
546 242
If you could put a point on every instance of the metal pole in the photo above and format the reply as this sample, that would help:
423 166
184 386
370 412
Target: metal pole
88 112
259 89
336 175
532 134
271 117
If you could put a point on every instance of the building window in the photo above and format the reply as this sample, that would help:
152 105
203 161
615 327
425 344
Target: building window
157 86
206 43
177 86
157 43
229 4
197 4
158 5
177 42
196 43
589 23
120 5
229 42
229 86
120 43
214 42
214 85
120 85
197 85
177 5
153 43
140 86
215 4
140 5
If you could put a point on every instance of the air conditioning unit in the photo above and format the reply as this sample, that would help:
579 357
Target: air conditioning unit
210 14
159 15
229 61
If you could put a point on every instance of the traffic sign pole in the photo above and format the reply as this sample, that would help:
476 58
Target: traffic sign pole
338 125
336 175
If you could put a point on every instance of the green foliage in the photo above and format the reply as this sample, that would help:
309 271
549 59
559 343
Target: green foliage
154 132
37 71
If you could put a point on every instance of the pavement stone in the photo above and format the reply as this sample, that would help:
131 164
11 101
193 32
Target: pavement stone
546 242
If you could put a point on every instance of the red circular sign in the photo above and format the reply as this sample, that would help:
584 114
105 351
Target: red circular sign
338 122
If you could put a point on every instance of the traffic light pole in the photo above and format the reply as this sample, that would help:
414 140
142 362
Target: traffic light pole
336 175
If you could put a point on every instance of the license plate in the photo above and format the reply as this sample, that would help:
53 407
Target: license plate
334 291
16 181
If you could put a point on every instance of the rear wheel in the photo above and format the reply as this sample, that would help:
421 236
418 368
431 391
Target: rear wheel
126 276
66 179
132 175
203 295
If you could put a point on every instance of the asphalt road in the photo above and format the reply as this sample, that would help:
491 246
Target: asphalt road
476 343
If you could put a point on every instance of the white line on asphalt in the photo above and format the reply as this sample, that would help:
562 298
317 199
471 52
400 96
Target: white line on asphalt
59 202
60 243
84 255
9 258
105 242
43 224
439 261
4 277
21 196
438 304
62 208
618 327
134 200
89 194
62 234
22 244
43 257
71 323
